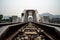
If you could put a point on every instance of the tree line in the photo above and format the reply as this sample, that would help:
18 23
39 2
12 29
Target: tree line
5 20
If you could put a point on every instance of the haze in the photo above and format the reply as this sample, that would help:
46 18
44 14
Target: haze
16 7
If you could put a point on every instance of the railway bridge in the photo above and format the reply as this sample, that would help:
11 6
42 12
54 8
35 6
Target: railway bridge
30 28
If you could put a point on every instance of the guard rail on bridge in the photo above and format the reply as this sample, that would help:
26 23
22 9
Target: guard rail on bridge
7 30
4 24
51 30
53 24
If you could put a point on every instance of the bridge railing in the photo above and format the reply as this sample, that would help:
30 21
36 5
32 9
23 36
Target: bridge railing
50 30
4 24
10 29
53 24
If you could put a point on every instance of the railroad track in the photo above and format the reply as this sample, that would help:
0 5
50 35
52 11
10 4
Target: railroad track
52 24
30 31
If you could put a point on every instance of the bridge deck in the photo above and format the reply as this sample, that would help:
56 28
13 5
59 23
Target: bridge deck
29 31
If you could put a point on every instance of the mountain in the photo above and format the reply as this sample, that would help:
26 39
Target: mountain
56 16
6 17
47 14
50 15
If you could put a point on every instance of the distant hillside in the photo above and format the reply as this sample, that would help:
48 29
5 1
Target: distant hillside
6 17
50 15
46 14
56 16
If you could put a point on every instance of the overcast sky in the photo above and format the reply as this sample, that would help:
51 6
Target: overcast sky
16 7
